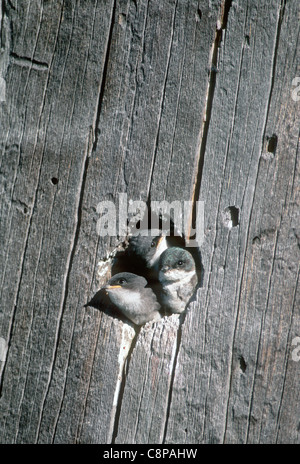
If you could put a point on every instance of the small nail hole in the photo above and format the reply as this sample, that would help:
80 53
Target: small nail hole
243 364
272 144
54 181
231 217
234 215
256 241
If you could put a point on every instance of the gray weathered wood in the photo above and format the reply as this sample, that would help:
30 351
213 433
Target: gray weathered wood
46 122
167 100
240 334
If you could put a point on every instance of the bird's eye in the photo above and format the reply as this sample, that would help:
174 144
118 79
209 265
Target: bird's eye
122 281
153 244
180 263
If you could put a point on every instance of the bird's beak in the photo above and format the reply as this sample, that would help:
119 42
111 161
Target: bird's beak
109 287
160 240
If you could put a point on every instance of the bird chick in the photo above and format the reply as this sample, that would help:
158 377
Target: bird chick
144 252
130 294
178 278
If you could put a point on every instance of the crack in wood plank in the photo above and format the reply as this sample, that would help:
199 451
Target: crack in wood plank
104 77
162 104
173 371
198 176
124 361
28 62
281 12
213 69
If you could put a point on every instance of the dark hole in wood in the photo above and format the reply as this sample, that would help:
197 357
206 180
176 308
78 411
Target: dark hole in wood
256 241
234 214
227 7
25 210
247 39
54 180
272 144
243 364
199 13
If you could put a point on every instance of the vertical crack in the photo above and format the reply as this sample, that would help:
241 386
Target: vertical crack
5 48
104 77
209 103
225 12
174 364
278 31
120 387
161 105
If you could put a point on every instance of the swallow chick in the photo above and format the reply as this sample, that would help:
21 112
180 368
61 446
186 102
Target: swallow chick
178 278
130 294
144 252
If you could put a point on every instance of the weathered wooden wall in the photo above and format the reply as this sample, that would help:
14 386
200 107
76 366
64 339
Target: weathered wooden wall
175 100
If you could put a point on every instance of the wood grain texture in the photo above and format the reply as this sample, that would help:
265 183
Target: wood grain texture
44 137
159 100
144 404
246 312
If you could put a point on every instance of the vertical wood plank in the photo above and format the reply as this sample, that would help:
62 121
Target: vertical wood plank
52 75
239 291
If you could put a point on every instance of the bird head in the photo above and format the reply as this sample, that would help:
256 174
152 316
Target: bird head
176 263
147 248
125 281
